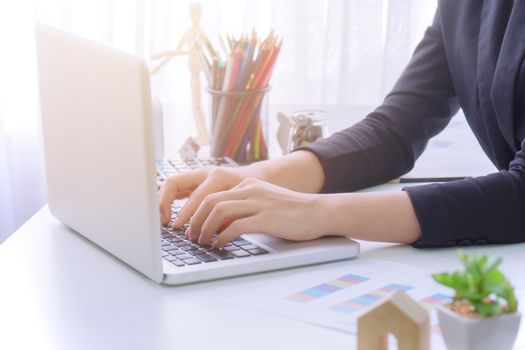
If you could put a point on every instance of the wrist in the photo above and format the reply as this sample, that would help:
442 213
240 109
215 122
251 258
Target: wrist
299 171
258 170
380 216
334 213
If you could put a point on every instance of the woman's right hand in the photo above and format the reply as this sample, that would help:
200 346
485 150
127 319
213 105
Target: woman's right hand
196 185
299 171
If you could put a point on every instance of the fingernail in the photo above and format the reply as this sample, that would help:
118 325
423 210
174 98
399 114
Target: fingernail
190 235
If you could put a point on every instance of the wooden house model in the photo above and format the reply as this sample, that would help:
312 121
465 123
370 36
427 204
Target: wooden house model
399 315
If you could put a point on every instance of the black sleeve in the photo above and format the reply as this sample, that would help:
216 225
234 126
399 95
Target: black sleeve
387 142
487 209
481 210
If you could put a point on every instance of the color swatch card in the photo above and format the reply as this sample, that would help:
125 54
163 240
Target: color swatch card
324 289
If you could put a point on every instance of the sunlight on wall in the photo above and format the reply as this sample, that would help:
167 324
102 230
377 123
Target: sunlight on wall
17 68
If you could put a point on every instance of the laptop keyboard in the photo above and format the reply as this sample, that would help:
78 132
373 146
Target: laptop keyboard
166 168
180 250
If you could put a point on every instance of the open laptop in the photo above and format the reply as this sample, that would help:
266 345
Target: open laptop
102 177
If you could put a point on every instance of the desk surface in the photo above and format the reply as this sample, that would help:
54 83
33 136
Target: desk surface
58 291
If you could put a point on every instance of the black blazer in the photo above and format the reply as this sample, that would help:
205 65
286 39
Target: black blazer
471 57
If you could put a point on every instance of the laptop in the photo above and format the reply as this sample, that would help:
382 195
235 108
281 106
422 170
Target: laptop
102 173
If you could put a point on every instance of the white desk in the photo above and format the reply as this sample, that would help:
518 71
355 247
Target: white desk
58 291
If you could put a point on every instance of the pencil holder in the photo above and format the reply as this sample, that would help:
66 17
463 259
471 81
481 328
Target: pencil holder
239 124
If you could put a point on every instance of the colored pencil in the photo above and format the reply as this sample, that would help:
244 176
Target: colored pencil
238 86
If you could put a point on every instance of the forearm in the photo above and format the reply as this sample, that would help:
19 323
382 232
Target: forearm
385 216
299 171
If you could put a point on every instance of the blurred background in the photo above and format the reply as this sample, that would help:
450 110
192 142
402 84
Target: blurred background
335 53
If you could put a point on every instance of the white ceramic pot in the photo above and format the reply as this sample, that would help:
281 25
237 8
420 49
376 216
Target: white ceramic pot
490 333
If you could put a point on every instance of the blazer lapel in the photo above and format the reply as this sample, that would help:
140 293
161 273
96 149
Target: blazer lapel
494 14
507 71
491 32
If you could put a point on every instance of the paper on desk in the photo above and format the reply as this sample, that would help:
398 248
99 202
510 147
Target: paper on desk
334 296
455 152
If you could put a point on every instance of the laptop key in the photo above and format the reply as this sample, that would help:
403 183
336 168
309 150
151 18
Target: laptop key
240 253
241 242
177 252
184 257
167 249
257 251
205 257
221 254
231 248
187 247
170 258
178 263
193 251
249 246
191 261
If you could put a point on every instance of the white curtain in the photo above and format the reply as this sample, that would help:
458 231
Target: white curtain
336 52
22 188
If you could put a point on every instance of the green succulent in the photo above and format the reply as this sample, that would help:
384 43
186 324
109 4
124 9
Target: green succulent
482 284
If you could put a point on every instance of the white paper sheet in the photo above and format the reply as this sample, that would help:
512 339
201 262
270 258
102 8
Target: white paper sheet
455 152
334 297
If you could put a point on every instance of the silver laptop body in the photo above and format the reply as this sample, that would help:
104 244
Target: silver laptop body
100 164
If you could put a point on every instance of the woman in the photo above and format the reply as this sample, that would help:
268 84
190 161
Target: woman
471 57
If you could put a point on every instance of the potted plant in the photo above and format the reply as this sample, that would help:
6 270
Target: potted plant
483 313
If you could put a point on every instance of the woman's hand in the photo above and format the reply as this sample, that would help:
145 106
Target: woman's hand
257 206
300 171
196 185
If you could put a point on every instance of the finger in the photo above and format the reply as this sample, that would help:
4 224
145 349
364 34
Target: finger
159 189
173 187
206 206
179 195
187 233
163 198
207 187
222 215
236 228
183 194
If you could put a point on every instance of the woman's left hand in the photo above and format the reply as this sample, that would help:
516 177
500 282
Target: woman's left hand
258 206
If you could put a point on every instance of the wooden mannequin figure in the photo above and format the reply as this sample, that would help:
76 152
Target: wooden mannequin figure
189 45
